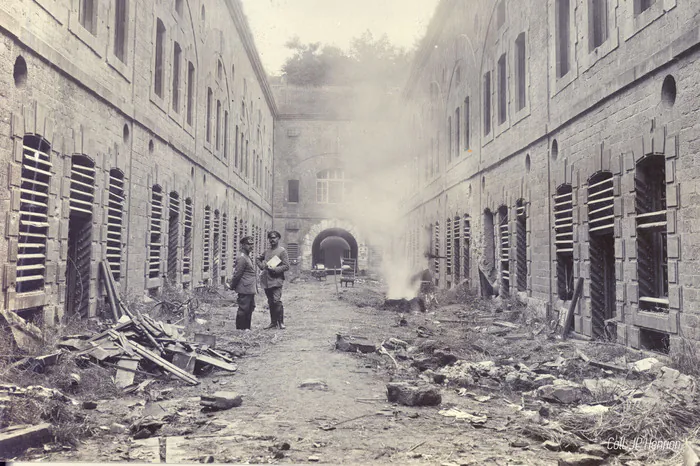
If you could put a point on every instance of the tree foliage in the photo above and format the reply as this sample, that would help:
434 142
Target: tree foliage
368 60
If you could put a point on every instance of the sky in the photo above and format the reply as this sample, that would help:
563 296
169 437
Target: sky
332 22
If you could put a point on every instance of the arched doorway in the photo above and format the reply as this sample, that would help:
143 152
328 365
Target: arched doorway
332 245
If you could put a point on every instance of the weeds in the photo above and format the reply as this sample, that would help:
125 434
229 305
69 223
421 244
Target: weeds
685 356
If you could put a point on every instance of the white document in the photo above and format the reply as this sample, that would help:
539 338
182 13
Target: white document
274 262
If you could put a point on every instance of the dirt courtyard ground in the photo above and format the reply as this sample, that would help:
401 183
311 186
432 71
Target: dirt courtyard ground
306 402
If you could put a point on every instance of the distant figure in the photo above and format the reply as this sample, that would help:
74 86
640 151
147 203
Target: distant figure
274 262
244 283
425 277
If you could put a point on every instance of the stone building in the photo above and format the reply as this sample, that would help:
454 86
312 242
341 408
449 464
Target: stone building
135 132
558 140
324 139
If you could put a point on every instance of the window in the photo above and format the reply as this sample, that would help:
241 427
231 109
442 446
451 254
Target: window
564 241
562 29
487 103
293 252
458 142
501 14
190 92
651 218
218 124
521 245
33 215
466 124
187 238
115 214
206 250
458 75
177 53
502 89
178 7
155 246
87 15
330 186
158 75
504 254
208 122
597 23
642 5
235 152
120 29
225 154
520 72
173 235
449 138
247 158
219 71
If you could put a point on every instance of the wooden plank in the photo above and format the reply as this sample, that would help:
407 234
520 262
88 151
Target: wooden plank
217 354
572 307
124 378
165 365
217 363
15 442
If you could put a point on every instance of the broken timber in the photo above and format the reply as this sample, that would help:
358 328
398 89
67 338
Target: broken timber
165 365
572 307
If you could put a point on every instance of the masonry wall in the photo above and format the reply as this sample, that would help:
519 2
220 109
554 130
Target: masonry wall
606 114
82 99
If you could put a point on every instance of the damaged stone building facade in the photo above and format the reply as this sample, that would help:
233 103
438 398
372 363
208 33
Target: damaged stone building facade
558 140
135 132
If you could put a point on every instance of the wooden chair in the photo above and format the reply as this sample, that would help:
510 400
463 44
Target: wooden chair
347 272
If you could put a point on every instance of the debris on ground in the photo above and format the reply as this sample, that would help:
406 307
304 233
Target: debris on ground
343 343
221 400
410 394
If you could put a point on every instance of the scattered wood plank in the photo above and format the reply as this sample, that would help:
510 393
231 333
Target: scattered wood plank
25 334
606 366
15 442
165 365
217 354
572 307
216 363
502 323
126 372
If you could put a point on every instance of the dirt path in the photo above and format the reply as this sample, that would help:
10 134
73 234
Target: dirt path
276 410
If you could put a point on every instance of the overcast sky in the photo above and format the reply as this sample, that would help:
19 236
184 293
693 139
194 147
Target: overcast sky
333 22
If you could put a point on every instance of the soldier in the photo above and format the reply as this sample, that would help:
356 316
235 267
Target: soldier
244 282
274 262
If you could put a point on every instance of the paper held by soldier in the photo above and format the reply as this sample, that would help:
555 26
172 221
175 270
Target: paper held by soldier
274 262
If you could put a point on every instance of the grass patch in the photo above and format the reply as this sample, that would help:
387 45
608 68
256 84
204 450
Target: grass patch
685 357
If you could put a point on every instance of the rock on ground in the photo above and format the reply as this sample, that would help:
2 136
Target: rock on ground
413 395
579 459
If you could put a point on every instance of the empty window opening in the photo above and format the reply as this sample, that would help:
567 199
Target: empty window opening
521 244
224 245
115 222
218 124
178 7
235 153
206 250
466 124
562 30
602 251
504 244
641 6
173 235
466 244
190 92
500 14
208 122
652 340
219 71
87 15
652 252
458 129
82 199
448 251
456 248
330 186
177 55
155 244
225 144
216 262
502 89
236 238
597 23
487 103
520 72
564 241
668 91
120 29
20 72
187 239
293 190
158 73
33 215
449 138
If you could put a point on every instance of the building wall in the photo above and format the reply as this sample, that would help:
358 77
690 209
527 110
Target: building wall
606 114
322 129
82 99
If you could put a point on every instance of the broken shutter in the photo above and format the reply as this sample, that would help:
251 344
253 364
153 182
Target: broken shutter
456 247
173 234
33 212
155 244
505 247
82 185
448 247
215 246
187 239
436 244
521 245
601 215
466 238
115 213
206 252
224 241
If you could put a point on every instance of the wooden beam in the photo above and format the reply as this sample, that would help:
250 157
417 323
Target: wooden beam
572 307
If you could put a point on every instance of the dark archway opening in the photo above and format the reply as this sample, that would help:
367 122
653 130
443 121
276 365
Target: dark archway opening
332 245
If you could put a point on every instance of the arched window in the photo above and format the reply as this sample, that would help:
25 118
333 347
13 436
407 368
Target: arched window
331 186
